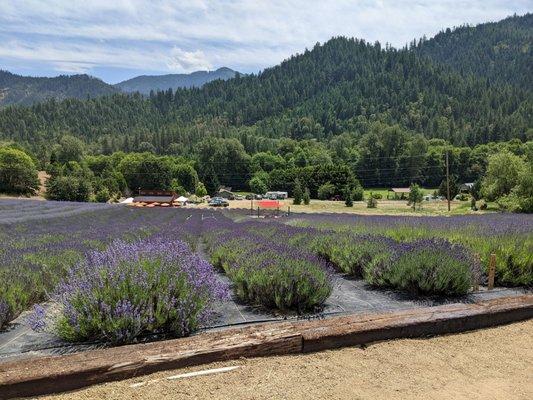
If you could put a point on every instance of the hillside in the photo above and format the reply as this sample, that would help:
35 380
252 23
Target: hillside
337 87
146 83
25 90
345 79
500 51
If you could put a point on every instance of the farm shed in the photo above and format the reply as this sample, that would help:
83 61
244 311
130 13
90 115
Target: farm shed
400 193
154 198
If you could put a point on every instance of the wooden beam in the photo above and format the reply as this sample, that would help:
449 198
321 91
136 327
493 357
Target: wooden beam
53 374
44 375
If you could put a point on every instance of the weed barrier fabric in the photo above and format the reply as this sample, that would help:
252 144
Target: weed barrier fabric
349 296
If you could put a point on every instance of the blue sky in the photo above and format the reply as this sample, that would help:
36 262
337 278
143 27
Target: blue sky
118 39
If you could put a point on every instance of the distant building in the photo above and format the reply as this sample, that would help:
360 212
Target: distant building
399 193
466 187
155 197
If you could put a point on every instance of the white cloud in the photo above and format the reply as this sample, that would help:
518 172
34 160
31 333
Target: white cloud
202 34
187 61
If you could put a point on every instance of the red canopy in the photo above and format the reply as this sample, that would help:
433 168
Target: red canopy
269 203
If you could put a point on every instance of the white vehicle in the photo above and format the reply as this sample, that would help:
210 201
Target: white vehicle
276 195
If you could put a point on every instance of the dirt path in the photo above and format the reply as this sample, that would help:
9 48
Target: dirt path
494 363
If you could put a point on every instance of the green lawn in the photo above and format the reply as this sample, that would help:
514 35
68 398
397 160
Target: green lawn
384 191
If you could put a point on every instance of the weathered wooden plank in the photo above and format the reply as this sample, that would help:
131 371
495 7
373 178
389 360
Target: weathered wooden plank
356 330
62 373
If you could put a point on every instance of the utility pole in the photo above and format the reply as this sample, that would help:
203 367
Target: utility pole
448 180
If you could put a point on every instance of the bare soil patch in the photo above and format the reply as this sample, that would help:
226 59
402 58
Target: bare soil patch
494 363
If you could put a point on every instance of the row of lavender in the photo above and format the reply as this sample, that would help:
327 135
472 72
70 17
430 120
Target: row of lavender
119 273
265 271
261 258
509 236
38 253
424 266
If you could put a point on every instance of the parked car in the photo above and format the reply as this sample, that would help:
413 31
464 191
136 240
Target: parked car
254 197
239 197
218 202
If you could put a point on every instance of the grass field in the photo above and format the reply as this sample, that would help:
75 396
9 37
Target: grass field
385 207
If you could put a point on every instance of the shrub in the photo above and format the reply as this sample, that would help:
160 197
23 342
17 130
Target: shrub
326 191
514 263
430 266
356 255
18 173
433 267
415 196
348 199
200 191
372 202
271 275
68 188
131 289
102 196
306 197
297 192
377 196
358 194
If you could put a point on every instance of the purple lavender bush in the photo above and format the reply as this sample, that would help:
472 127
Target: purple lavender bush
131 289
424 266
509 236
40 241
353 254
269 274
428 266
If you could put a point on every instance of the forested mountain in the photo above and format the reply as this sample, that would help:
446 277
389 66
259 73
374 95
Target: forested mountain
146 83
500 51
315 95
26 90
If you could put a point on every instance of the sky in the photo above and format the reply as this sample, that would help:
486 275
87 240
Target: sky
118 39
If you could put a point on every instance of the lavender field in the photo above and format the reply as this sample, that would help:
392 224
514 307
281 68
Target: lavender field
114 273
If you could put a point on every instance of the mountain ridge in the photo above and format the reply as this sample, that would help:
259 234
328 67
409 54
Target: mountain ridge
146 83
27 90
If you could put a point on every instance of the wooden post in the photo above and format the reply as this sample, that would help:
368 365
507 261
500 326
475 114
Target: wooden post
448 180
252 206
258 212
492 271
288 210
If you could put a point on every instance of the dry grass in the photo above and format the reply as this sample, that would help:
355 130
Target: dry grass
494 363
385 207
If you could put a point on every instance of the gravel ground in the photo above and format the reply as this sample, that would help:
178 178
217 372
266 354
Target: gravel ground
494 363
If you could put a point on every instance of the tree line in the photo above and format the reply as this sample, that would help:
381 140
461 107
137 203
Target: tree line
384 157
